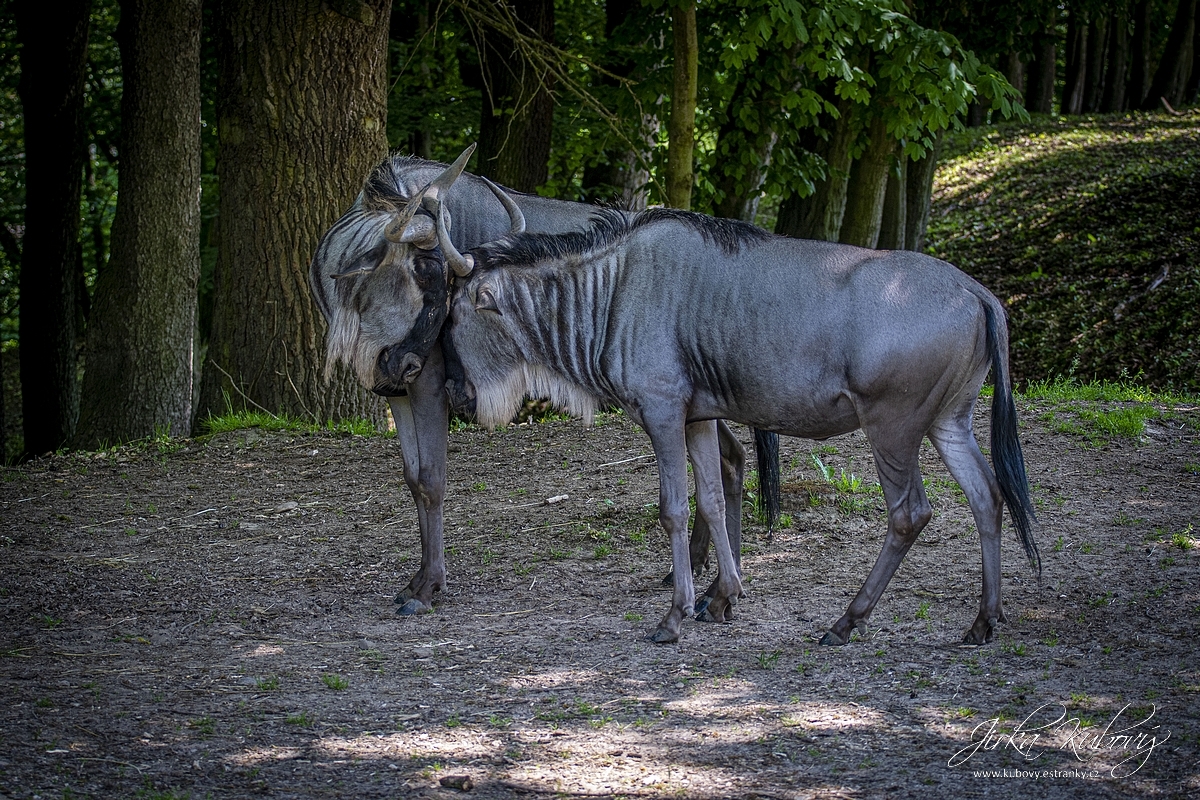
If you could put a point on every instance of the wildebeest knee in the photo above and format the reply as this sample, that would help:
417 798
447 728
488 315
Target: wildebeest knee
908 519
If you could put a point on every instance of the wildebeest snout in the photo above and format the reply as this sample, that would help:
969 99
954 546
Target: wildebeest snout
398 369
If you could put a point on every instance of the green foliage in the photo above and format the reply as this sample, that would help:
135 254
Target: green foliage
1088 231
242 420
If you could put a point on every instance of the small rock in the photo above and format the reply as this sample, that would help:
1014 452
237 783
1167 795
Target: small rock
289 505
461 782
422 652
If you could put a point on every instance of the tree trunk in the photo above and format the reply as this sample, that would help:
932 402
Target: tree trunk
1171 77
138 365
1014 70
868 185
893 225
53 59
1077 40
681 129
1115 80
919 196
739 193
1192 92
1093 88
518 109
301 115
1039 93
820 215
1139 57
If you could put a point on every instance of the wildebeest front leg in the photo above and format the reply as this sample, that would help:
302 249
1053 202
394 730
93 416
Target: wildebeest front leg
908 512
422 424
733 473
704 451
667 437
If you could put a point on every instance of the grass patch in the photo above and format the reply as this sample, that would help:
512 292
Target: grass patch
1086 228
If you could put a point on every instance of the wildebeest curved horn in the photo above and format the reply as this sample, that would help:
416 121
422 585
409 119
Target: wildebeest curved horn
462 265
510 205
407 227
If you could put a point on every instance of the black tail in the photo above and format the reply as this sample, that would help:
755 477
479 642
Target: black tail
766 447
1007 459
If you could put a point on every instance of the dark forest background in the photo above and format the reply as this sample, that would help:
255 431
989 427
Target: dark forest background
166 169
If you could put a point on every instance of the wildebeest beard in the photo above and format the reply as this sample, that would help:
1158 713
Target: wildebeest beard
459 392
401 363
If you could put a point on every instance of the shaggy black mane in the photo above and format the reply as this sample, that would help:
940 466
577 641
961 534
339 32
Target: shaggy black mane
610 226
382 189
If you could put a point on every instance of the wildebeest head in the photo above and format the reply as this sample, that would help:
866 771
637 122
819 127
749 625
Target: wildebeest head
381 282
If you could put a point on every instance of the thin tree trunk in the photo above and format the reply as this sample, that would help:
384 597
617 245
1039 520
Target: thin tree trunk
1093 88
1115 80
53 58
739 193
1171 77
301 114
1039 95
1077 39
868 185
138 366
820 215
1192 93
919 196
1139 58
518 109
681 129
1014 70
893 225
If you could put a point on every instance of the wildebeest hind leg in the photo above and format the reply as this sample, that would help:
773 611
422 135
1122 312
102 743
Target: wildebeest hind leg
908 512
956 445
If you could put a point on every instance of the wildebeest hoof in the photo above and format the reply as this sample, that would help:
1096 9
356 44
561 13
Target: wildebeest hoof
413 606
663 636
702 606
980 633
833 640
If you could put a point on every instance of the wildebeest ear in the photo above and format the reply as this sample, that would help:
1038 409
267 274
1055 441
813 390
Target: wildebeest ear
485 299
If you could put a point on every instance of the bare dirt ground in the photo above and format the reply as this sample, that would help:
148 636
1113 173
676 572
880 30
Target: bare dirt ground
215 619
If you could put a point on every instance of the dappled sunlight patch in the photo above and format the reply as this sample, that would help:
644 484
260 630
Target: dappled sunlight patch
266 650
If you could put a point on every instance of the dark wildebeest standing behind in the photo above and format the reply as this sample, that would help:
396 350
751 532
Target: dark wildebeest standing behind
386 238
647 316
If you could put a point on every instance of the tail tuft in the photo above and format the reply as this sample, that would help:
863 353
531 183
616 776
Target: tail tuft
766 448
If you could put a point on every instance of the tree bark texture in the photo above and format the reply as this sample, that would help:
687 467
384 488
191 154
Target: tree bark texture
820 215
681 129
1116 79
138 366
868 185
301 117
1077 39
893 225
53 60
1192 93
518 109
919 196
1139 56
1039 84
1093 88
1171 76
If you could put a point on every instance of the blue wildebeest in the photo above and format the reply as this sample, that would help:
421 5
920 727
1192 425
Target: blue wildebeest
646 312
376 272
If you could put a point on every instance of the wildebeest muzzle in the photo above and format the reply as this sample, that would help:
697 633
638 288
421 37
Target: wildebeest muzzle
401 364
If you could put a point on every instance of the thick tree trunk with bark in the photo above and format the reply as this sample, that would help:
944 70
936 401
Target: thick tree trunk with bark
301 115
1115 79
1139 56
820 215
919 196
1076 76
868 184
681 129
1039 84
139 360
1093 88
518 109
53 58
1171 77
